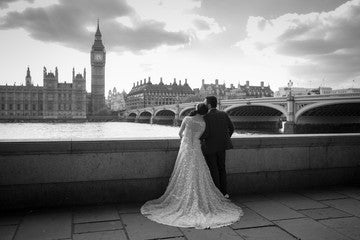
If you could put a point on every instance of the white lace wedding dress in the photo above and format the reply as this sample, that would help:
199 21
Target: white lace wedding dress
191 198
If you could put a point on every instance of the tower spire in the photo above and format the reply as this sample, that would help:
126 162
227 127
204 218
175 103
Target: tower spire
98 45
98 33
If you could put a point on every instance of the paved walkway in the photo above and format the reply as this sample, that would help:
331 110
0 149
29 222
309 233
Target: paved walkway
322 214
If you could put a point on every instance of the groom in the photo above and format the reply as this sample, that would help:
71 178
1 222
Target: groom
215 140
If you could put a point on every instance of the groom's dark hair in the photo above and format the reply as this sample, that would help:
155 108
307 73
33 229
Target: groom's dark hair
212 100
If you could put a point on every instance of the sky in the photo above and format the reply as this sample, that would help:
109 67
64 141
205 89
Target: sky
312 42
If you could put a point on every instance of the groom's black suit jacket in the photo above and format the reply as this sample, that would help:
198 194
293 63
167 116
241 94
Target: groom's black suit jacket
218 131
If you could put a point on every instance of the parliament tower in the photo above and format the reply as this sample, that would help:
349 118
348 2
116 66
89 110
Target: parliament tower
98 56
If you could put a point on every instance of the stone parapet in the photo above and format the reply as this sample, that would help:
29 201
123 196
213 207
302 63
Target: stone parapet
67 172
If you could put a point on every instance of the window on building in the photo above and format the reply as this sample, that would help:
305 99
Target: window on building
11 107
34 107
26 107
2 106
18 107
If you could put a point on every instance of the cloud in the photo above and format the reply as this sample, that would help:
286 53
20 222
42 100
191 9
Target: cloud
68 23
201 24
205 26
315 45
5 3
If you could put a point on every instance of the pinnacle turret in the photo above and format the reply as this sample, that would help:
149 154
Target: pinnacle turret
28 72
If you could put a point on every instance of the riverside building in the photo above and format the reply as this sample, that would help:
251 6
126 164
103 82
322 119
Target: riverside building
52 101
242 91
146 94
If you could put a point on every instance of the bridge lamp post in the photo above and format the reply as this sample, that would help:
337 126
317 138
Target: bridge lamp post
290 125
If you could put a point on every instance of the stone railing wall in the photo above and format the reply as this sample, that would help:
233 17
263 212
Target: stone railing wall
53 173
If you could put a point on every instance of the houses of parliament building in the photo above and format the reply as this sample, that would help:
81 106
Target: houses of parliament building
57 100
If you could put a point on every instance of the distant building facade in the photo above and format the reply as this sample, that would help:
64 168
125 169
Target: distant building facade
284 91
345 91
145 93
241 91
116 100
52 101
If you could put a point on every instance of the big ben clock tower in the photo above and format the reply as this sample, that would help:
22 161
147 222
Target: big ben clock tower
98 56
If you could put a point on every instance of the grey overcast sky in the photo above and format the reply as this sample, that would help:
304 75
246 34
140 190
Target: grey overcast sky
312 42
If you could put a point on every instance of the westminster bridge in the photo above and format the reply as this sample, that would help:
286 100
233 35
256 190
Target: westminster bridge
300 114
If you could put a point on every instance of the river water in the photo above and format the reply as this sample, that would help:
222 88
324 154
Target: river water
89 130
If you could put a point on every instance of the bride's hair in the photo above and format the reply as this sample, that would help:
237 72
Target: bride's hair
201 109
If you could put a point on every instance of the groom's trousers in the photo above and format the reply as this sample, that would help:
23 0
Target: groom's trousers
216 163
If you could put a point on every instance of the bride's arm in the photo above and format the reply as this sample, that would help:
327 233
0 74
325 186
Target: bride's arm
182 128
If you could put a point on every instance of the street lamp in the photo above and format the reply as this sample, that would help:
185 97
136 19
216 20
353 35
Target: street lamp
290 84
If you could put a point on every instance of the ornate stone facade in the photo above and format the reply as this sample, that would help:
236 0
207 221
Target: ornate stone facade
116 100
52 101
145 93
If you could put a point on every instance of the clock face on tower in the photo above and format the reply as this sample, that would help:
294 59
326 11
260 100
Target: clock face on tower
98 57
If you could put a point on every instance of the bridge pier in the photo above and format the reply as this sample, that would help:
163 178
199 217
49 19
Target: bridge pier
176 120
289 127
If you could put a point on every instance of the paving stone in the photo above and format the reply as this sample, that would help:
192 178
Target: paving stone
296 201
97 226
129 208
322 194
273 210
351 206
250 219
95 214
324 213
107 235
249 198
348 226
309 229
268 233
352 192
7 232
224 233
139 227
49 224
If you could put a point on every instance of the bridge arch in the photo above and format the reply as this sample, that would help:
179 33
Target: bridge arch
145 114
145 117
184 112
164 112
271 106
164 116
257 117
334 108
131 117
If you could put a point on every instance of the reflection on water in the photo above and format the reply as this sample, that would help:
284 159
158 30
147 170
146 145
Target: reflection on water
90 130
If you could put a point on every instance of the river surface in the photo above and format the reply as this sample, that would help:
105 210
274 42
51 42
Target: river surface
89 130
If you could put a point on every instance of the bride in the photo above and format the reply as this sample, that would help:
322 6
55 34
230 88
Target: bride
191 198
